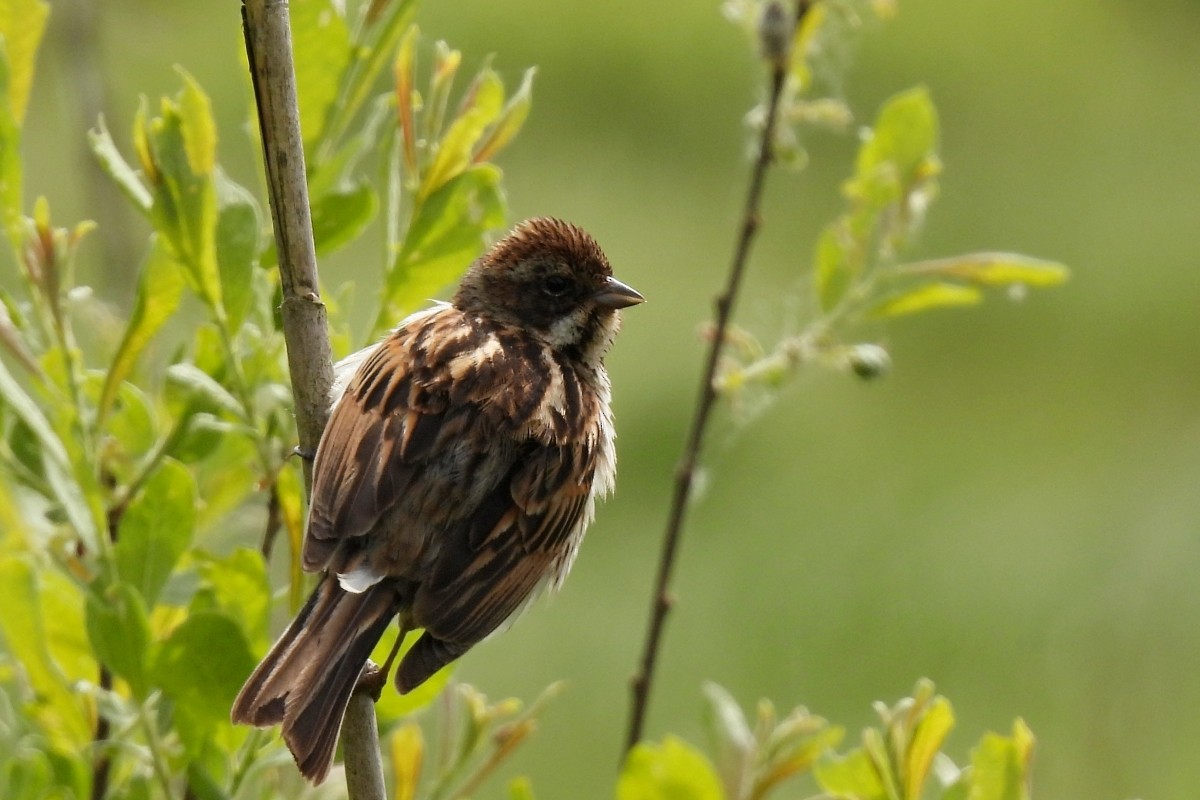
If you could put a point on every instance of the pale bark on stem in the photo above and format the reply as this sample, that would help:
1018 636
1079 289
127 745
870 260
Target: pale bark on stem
305 325
642 681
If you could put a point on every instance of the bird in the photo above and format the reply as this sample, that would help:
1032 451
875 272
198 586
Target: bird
454 481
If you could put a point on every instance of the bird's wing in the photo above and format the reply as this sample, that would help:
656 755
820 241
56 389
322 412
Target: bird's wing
520 536
386 425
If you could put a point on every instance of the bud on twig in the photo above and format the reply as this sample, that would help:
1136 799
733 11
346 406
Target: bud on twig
775 27
868 361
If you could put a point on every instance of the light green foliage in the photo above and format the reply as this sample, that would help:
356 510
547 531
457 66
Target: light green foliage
901 759
856 275
479 737
673 770
145 474
445 197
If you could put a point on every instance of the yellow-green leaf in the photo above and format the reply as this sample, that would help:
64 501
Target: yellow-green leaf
119 630
924 298
114 164
673 770
59 473
199 129
22 23
901 150
512 117
992 269
160 288
1000 765
520 788
60 710
181 152
341 215
927 739
484 102
236 586
408 751
321 42
11 204
852 775
445 235
838 263
237 245
156 530
290 493
202 665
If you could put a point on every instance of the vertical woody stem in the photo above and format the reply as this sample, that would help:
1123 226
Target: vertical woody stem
305 328
777 55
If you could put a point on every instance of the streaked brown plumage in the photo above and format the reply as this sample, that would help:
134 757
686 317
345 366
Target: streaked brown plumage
456 477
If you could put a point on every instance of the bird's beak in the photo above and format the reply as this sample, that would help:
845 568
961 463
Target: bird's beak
615 294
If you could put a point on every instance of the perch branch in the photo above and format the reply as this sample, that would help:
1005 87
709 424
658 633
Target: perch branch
305 330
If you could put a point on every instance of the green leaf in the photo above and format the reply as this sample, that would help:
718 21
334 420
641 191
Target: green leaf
237 234
321 43
67 491
289 490
62 620
852 775
237 587
182 151
11 203
673 770
202 664
935 724
511 119
484 101
369 59
731 737
924 298
1000 765
199 130
992 269
23 624
900 152
131 426
22 23
839 262
341 215
446 234
118 628
116 167
202 433
27 775
160 287
336 172
520 788
156 530
201 390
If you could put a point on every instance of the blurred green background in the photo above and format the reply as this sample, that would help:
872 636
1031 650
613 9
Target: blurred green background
1014 512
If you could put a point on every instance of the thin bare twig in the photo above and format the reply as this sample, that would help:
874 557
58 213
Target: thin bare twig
305 325
686 470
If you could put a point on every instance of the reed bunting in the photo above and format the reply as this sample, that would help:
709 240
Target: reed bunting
455 479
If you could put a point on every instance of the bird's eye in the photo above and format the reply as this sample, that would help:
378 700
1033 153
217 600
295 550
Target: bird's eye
556 285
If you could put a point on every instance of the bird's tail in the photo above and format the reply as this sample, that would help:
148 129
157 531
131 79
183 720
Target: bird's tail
305 681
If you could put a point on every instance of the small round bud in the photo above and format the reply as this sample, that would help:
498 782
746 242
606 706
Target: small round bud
775 31
868 361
